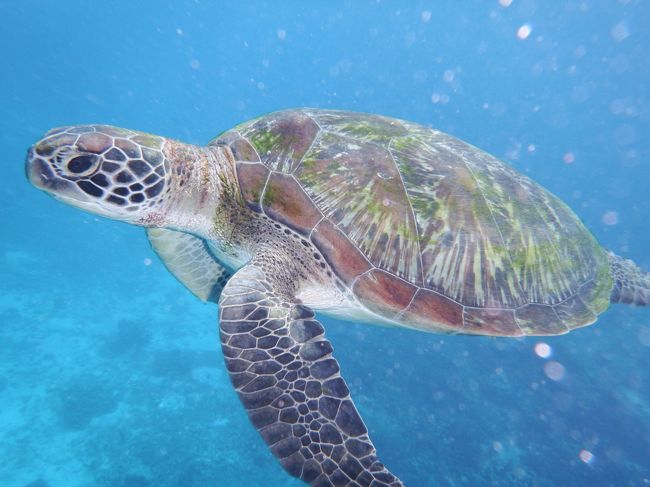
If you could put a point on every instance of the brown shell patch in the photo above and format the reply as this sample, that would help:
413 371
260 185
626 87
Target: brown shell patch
357 185
433 312
282 138
252 178
346 260
537 319
383 293
241 149
94 142
285 201
489 321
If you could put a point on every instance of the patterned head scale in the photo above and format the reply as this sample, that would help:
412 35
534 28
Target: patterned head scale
112 171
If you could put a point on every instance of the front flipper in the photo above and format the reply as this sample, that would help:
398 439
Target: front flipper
191 261
283 369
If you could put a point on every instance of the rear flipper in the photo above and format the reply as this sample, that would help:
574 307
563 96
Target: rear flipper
631 284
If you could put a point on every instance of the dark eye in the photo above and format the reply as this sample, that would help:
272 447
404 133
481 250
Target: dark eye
81 164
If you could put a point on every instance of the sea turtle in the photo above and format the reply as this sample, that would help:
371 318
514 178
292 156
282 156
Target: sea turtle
362 217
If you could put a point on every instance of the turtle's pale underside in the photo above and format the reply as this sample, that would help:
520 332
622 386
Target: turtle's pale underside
358 216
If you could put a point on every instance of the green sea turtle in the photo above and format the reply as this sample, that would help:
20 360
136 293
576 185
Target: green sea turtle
358 216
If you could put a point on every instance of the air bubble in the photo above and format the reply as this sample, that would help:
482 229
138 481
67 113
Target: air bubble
543 350
610 218
554 371
524 31
448 76
620 32
569 158
586 456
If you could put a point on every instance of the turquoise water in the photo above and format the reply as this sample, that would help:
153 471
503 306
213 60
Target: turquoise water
111 372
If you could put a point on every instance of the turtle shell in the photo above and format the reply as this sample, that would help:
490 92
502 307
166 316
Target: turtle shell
427 231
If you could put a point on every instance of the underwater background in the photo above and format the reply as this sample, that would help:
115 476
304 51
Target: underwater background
111 372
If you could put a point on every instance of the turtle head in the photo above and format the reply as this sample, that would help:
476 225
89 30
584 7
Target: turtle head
117 173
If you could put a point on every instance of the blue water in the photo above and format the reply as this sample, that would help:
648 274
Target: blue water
111 372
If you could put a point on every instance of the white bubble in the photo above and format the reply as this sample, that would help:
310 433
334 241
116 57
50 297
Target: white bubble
586 456
435 98
147 261
497 446
426 16
543 350
448 76
620 32
195 64
260 85
282 34
179 31
610 218
531 148
505 3
524 31
554 370
569 158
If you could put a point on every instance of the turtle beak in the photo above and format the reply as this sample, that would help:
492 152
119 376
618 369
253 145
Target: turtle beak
41 175
37 171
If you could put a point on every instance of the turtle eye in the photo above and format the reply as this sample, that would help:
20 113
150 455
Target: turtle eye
82 165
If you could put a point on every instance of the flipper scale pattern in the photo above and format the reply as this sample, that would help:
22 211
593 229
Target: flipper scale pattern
282 367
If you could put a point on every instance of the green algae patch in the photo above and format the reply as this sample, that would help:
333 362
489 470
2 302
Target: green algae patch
264 141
